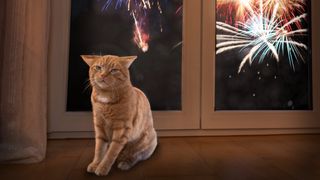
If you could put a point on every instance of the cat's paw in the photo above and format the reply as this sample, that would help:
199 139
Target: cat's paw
102 171
124 166
92 167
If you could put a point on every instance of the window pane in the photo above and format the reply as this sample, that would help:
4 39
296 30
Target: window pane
151 29
263 55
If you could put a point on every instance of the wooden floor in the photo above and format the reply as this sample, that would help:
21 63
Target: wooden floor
188 158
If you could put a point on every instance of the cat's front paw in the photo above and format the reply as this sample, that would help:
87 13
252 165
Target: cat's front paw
92 167
124 166
102 171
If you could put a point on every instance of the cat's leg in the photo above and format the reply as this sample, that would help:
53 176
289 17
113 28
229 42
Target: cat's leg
137 152
151 148
119 139
126 156
101 146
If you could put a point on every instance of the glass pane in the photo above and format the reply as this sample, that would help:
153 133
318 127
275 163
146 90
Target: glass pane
151 29
263 55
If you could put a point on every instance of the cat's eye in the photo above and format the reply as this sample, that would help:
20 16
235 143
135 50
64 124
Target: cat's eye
113 71
97 68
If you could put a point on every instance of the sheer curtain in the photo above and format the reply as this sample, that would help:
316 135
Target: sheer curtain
24 29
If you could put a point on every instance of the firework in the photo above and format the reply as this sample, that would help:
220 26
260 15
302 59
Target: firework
287 9
241 10
263 33
139 10
135 5
140 38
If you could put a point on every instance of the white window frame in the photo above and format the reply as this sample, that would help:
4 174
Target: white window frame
61 121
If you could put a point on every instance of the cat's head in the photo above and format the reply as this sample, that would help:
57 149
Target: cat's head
108 72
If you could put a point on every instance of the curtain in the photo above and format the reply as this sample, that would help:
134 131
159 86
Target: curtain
24 30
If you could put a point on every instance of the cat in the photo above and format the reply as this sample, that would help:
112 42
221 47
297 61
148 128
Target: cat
122 117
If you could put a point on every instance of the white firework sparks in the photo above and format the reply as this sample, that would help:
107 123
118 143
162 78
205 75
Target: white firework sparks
263 33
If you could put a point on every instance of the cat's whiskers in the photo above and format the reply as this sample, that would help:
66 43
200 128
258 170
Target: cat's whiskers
87 85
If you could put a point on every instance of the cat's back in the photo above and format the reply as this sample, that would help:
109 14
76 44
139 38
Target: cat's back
143 101
143 110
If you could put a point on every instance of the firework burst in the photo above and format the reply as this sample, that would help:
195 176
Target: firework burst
139 10
287 9
140 38
242 9
264 33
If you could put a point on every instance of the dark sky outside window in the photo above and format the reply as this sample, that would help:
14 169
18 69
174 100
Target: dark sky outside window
157 72
265 84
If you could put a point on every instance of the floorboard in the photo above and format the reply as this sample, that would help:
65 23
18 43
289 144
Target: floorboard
187 158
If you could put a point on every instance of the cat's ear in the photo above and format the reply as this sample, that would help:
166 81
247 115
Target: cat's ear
126 61
90 59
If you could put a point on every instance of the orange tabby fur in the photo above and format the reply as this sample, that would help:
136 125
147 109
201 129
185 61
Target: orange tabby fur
121 113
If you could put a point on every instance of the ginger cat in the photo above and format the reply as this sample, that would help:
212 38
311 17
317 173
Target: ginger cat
122 116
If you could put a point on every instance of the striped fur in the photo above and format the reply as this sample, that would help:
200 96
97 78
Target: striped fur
123 123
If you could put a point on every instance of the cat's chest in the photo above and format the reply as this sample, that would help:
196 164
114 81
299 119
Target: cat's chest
109 116
104 115
103 99
104 120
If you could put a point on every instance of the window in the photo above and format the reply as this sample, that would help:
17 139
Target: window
263 55
167 68
279 89
151 29
194 85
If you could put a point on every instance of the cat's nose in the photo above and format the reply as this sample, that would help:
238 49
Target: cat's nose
105 79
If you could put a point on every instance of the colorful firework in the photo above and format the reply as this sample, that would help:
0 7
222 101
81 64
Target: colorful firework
140 38
263 33
139 10
241 10
287 9
228 7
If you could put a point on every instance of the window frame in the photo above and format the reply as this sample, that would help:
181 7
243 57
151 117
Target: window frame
198 59
254 119
61 121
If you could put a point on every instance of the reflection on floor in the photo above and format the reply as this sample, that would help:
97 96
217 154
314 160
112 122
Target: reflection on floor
238 157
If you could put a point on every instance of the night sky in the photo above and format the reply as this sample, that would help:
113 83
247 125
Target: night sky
268 85
157 72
